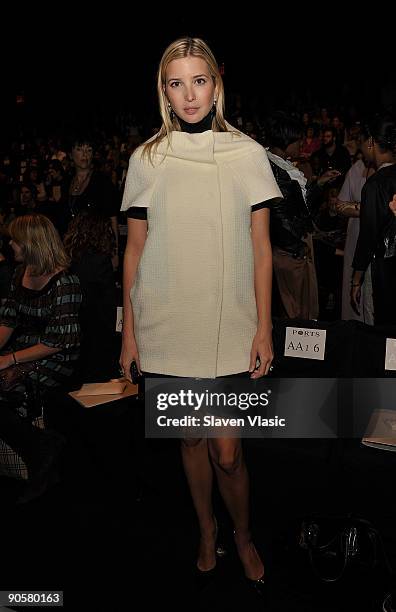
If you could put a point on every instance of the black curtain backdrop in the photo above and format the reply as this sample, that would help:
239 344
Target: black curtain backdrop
71 67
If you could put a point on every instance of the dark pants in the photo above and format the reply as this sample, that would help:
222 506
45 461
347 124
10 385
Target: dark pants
17 432
384 290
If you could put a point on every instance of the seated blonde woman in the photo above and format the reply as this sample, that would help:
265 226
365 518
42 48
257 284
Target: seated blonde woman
38 323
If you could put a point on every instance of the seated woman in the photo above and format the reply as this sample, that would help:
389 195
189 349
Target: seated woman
38 324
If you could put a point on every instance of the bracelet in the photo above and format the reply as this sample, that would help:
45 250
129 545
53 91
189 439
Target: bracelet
14 358
355 285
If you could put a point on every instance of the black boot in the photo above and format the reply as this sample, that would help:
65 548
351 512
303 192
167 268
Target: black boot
42 467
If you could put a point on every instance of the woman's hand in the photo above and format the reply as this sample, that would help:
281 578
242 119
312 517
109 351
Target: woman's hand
356 294
262 351
129 353
392 205
115 260
347 209
6 361
329 175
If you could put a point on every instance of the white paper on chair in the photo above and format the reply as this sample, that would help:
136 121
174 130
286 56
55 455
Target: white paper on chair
113 387
90 401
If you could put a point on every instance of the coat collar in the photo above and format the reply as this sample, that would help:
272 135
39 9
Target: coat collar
207 147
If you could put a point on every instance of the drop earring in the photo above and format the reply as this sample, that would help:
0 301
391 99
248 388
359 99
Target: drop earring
213 111
170 110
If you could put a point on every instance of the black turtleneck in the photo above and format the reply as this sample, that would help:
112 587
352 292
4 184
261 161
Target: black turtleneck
140 212
196 128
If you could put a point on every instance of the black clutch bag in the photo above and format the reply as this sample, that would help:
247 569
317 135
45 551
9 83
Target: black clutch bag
136 377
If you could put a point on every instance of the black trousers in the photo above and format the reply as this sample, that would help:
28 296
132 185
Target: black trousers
18 432
384 290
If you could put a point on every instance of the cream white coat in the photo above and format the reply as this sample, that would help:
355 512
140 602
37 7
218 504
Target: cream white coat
193 298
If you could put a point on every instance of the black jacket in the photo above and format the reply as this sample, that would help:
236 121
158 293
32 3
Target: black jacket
377 235
291 217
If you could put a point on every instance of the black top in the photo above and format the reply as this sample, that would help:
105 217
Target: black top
140 212
197 128
98 316
377 235
99 196
340 160
6 273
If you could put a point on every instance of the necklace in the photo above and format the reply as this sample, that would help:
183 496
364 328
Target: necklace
77 186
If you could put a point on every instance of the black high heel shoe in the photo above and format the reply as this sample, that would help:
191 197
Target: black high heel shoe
259 586
203 577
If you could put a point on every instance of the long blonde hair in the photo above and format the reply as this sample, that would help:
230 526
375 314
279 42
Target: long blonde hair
184 47
42 248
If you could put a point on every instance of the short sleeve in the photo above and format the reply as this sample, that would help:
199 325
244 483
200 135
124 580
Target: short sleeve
266 204
63 328
140 181
137 212
254 172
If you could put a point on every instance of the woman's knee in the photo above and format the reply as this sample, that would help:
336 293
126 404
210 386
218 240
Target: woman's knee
228 462
191 443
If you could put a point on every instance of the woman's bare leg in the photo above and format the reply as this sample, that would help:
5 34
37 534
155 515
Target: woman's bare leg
199 475
233 480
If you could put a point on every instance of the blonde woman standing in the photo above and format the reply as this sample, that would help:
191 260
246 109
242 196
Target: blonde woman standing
197 269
